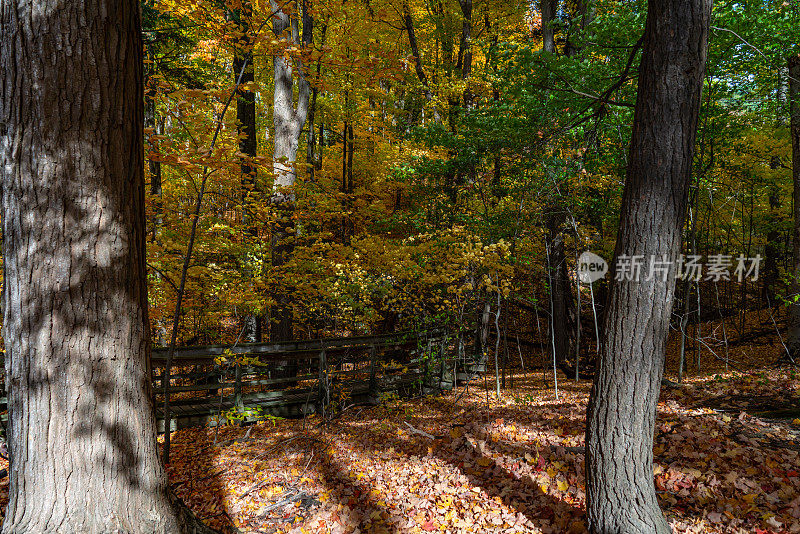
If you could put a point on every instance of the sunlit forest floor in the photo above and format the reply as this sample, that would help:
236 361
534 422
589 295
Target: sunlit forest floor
514 467
726 452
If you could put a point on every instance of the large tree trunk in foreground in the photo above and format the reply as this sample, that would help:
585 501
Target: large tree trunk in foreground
81 428
621 497
794 111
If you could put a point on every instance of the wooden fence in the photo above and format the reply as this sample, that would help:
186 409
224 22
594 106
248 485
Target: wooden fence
247 381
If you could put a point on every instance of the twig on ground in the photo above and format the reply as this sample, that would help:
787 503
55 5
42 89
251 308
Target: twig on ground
283 502
420 432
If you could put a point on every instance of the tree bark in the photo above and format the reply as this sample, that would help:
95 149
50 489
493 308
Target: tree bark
771 251
621 497
548 10
151 121
584 12
81 422
288 122
464 63
244 73
408 24
565 317
313 159
794 125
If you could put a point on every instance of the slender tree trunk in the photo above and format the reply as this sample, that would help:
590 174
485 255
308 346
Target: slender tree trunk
464 62
313 159
794 110
81 422
548 10
621 497
153 166
244 73
565 317
771 248
408 25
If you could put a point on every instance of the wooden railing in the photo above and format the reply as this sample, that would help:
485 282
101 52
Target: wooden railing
290 379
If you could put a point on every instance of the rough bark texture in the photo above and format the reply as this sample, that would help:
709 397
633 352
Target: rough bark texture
794 110
81 427
621 497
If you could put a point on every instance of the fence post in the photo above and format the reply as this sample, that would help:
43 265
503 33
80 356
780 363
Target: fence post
373 379
428 369
322 394
443 370
237 388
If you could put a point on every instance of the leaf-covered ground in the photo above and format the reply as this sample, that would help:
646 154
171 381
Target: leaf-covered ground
470 462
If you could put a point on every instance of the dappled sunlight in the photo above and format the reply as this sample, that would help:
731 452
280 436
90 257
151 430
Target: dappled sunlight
430 463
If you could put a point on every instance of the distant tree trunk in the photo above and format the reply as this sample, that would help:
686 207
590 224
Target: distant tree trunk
565 317
564 324
288 123
771 248
81 430
584 12
464 62
154 167
313 159
621 497
408 25
244 73
548 10
794 111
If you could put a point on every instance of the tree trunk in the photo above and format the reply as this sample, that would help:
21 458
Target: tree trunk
771 252
151 121
244 73
621 497
81 427
408 25
464 63
288 122
584 13
794 112
548 9
565 318
313 159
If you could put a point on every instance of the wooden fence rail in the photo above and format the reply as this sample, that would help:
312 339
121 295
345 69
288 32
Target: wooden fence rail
290 379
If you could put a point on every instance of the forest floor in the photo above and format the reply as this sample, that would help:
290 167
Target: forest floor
473 462
727 453
727 457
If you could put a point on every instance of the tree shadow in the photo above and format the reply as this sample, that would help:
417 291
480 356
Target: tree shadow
476 462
